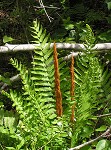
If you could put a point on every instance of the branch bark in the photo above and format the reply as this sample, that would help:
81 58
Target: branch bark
30 47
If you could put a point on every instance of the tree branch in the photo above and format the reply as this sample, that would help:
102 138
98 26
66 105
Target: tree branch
30 47
105 134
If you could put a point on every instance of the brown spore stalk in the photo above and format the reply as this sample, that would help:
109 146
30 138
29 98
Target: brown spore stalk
58 94
72 88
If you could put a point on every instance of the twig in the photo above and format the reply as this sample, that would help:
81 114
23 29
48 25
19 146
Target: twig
105 134
74 54
104 115
51 7
74 46
42 5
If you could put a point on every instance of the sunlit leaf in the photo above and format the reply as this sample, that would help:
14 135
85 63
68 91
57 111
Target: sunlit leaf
103 145
7 39
102 128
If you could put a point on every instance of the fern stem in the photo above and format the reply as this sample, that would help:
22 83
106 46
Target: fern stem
72 87
57 84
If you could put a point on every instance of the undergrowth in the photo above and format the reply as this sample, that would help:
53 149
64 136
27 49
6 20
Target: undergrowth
38 125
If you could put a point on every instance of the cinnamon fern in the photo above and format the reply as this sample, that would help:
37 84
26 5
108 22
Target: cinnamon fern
59 100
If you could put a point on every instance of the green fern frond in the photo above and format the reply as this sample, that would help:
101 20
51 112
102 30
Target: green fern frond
43 68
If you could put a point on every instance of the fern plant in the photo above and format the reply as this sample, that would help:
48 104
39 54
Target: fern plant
39 126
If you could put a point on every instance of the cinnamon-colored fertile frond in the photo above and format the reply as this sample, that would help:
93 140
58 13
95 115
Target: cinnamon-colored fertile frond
58 94
72 87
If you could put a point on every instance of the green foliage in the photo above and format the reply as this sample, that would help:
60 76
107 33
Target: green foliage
89 39
68 25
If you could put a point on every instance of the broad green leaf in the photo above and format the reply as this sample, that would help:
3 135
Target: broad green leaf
103 145
69 26
3 79
109 5
102 128
87 131
7 39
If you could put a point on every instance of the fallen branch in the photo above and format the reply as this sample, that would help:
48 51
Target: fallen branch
30 47
105 134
